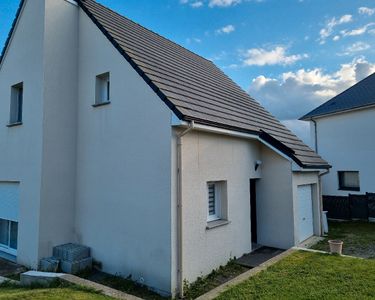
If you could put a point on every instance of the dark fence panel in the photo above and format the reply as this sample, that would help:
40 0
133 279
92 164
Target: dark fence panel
338 207
359 206
352 207
371 204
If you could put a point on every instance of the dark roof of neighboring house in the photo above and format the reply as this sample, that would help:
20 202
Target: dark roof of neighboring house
193 87
359 95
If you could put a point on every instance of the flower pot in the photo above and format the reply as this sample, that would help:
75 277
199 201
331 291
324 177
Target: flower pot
335 246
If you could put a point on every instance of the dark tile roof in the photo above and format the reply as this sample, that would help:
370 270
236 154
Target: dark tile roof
359 95
193 87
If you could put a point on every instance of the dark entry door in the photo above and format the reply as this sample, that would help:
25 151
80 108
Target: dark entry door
253 207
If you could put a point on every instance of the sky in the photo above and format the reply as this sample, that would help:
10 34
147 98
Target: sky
290 55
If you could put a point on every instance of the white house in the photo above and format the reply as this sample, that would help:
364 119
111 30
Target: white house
118 139
343 131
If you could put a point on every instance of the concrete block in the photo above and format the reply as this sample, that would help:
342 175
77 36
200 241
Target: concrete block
76 266
71 252
49 265
39 278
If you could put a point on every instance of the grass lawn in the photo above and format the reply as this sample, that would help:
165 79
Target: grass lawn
307 275
358 237
10 292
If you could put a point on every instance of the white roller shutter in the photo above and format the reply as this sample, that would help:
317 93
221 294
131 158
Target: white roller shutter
9 201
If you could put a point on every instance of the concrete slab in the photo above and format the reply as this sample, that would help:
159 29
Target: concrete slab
259 256
39 278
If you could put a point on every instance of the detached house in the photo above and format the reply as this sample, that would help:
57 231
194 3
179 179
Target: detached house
116 138
343 130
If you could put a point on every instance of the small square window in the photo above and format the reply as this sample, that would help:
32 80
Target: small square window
216 196
349 180
16 104
102 95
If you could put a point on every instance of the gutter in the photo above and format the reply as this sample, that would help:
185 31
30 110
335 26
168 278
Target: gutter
180 278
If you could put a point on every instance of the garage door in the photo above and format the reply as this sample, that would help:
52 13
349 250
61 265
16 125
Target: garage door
9 207
305 209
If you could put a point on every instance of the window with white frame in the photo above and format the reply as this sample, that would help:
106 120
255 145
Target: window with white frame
216 197
349 180
8 234
16 104
102 95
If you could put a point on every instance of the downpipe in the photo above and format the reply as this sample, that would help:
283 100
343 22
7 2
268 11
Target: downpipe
180 279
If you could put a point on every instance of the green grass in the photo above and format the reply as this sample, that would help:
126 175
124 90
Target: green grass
307 275
221 275
13 292
358 237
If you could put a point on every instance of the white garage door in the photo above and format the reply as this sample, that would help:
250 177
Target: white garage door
305 209
9 207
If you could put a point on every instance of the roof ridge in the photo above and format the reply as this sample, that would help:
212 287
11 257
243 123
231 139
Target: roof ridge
158 34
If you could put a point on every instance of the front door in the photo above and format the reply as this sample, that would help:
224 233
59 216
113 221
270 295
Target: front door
253 212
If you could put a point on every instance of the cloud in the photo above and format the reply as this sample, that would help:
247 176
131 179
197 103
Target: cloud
301 129
193 40
328 29
276 56
366 11
223 3
358 31
355 48
215 3
194 4
293 94
226 29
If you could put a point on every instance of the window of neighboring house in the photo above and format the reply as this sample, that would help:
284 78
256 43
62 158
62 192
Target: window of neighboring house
349 180
103 88
16 104
216 196
8 234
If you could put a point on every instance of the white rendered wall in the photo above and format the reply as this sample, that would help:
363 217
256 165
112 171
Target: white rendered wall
60 125
123 209
21 147
210 157
347 142
275 217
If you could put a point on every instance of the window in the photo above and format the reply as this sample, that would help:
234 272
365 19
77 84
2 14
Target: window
16 103
349 180
8 234
216 192
102 89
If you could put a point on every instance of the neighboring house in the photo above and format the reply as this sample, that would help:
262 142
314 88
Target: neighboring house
343 131
123 141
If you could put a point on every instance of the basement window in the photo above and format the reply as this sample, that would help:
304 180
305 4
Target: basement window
16 105
216 201
349 180
103 89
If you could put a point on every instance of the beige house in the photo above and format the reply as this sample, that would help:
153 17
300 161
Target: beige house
117 138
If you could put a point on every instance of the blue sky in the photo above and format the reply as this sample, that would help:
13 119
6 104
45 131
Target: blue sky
291 55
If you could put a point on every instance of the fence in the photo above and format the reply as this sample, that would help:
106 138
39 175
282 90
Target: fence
360 207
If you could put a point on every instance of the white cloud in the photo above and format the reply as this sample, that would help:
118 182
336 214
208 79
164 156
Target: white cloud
328 29
336 38
223 3
226 29
366 11
276 56
196 4
293 94
301 129
193 40
355 48
357 31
